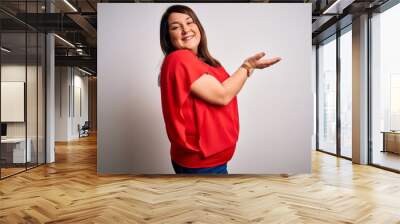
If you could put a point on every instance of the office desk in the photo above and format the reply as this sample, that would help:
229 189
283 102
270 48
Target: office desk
391 141
13 150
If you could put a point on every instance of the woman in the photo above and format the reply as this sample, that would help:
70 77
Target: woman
198 96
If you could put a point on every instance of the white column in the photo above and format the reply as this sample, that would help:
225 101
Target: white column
50 100
50 92
360 90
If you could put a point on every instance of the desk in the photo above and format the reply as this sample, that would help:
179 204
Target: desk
391 141
15 148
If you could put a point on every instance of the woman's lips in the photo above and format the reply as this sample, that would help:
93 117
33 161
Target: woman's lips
187 38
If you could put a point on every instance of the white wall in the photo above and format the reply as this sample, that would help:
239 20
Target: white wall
61 103
67 85
275 106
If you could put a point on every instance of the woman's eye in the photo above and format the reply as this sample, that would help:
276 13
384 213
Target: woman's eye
174 28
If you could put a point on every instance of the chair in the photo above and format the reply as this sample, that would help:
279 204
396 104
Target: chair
84 130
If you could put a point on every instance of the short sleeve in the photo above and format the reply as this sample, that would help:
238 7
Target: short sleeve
183 68
180 69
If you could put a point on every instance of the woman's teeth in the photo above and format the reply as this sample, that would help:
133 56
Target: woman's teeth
187 38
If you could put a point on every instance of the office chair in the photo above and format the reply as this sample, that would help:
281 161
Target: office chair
84 130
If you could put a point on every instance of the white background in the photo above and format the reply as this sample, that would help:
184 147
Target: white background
275 105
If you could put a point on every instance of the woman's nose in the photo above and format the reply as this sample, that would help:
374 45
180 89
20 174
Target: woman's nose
185 29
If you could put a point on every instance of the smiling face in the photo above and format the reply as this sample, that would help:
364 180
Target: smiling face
183 31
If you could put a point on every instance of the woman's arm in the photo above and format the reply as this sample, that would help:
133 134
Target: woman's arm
208 88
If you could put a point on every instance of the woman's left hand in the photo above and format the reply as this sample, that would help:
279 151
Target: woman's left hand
255 62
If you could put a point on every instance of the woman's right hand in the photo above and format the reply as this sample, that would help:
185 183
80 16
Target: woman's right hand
255 62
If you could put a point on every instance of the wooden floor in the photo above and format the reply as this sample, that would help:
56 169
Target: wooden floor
5 172
70 191
387 159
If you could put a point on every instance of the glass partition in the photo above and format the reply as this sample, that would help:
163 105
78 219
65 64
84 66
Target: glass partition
327 96
22 88
33 7
32 95
41 87
13 111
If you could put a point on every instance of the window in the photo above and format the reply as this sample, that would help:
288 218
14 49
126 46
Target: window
385 88
346 93
327 96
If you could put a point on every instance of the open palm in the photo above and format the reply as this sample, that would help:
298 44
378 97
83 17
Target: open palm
256 61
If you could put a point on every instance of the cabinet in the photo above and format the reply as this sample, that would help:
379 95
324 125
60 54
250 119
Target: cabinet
391 142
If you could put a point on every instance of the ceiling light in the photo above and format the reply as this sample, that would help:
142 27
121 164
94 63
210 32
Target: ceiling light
84 71
70 5
64 40
5 50
332 9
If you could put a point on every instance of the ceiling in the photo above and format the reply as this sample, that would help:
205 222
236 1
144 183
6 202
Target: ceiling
76 22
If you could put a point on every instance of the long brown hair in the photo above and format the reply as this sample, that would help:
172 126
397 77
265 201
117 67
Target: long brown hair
165 39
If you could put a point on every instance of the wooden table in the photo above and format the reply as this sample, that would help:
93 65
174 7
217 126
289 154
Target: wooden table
391 141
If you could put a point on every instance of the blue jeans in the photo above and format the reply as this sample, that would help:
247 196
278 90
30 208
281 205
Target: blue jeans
220 169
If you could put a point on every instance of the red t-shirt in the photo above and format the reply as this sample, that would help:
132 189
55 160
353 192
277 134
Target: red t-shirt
201 134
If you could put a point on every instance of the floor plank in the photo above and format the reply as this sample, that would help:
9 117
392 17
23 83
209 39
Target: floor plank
70 191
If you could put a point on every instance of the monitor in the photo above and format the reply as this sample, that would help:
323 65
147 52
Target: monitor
3 129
